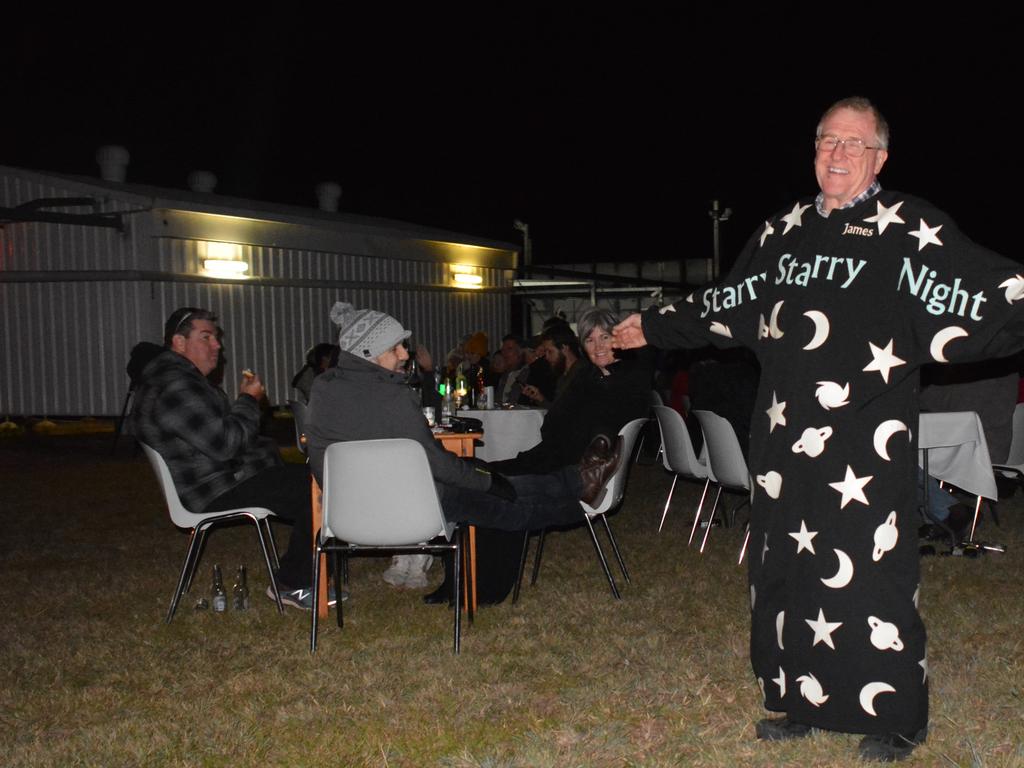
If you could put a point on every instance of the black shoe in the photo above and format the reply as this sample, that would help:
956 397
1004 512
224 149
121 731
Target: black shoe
781 729
440 595
598 464
890 747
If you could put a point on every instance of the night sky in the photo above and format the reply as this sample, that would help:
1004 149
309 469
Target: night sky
608 132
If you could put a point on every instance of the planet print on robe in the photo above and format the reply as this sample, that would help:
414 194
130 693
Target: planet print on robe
780 620
883 432
868 693
812 441
821 329
843 575
886 536
884 635
1014 288
721 329
830 395
942 338
762 328
811 690
771 482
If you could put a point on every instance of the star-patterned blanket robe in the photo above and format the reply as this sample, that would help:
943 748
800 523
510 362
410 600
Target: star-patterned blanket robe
841 311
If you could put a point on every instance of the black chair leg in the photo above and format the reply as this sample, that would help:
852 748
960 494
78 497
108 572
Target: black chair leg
615 548
536 558
522 567
604 562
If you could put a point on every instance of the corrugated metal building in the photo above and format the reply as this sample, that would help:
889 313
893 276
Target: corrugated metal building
88 268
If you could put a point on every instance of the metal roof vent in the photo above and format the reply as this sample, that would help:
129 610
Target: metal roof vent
202 181
113 162
328 194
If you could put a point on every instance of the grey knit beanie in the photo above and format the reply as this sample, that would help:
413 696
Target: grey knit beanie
364 332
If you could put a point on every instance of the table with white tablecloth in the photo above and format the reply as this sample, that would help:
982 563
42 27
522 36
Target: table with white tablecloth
507 432
957 451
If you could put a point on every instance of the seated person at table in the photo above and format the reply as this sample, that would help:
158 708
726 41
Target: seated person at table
610 389
365 398
542 377
561 349
212 445
509 390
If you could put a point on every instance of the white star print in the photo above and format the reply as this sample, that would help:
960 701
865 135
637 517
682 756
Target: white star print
768 230
667 308
689 299
781 682
926 235
823 629
776 413
803 539
720 328
1014 288
883 360
852 487
886 216
923 663
792 218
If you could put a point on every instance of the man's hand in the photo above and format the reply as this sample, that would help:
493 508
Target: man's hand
423 358
629 334
251 385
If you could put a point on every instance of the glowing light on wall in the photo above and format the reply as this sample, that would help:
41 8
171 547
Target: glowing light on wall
465 276
223 260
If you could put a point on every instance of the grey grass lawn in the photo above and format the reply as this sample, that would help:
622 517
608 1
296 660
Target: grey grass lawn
90 675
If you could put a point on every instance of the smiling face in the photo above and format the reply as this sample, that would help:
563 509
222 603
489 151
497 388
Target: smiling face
598 346
200 347
841 177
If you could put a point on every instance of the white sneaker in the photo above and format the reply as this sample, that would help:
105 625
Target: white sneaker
399 570
416 577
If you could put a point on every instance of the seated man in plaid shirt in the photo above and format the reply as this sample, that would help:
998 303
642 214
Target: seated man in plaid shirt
212 445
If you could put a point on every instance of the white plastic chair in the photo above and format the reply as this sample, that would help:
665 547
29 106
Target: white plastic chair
199 524
679 458
610 499
726 466
1014 464
379 496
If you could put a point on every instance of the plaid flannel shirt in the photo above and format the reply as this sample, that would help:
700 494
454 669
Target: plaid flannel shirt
209 443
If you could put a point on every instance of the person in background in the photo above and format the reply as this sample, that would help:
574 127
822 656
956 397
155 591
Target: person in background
318 360
561 350
516 374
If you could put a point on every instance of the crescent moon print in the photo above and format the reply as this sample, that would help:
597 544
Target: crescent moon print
821 329
721 329
844 574
773 323
942 338
883 432
868 693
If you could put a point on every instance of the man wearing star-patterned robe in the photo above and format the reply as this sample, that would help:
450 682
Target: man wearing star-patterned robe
841 309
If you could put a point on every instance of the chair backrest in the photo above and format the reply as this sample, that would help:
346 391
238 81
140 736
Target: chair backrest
381 493
616 485
299 412
656 399
679 456
180 516
1016 456
725 458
